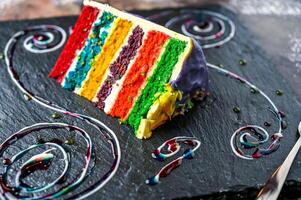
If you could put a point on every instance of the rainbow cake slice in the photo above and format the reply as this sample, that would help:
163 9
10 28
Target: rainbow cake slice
131 68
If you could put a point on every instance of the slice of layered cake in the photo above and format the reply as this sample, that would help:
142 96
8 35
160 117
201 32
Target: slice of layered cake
131 68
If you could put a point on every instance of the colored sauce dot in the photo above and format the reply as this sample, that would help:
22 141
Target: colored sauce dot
6 161
220 65
41 141
253 90
27 97
276 136
279 92
242 62
121 122
152 181
56 115
188 154
283 124
190 104
268 124
69 141
282 114
236 109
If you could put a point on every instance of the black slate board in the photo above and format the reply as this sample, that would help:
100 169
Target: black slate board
215 168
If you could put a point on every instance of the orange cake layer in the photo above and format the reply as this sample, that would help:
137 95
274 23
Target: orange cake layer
136 77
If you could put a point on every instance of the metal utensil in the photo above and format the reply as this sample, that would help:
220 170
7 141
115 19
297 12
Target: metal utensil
274 185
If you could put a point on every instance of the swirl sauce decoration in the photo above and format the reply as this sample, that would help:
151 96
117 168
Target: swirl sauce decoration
253 137
212 30
43 39
173 147
209 28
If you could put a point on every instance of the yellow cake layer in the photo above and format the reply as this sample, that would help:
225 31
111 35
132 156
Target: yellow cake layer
102 61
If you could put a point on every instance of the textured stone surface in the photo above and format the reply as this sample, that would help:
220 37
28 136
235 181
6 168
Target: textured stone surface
214 169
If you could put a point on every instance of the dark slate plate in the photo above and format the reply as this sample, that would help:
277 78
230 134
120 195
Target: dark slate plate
214 173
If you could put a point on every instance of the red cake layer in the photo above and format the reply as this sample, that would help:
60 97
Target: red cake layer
75 42
137 75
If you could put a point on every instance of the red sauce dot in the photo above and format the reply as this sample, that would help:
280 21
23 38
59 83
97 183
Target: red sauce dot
6 161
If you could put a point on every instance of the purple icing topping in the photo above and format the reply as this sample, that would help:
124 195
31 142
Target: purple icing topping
119 67
194 75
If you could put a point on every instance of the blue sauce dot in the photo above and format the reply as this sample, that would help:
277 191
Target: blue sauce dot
188 154
158 156
152 181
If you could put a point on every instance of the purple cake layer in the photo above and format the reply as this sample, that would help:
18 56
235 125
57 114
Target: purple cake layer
119 67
